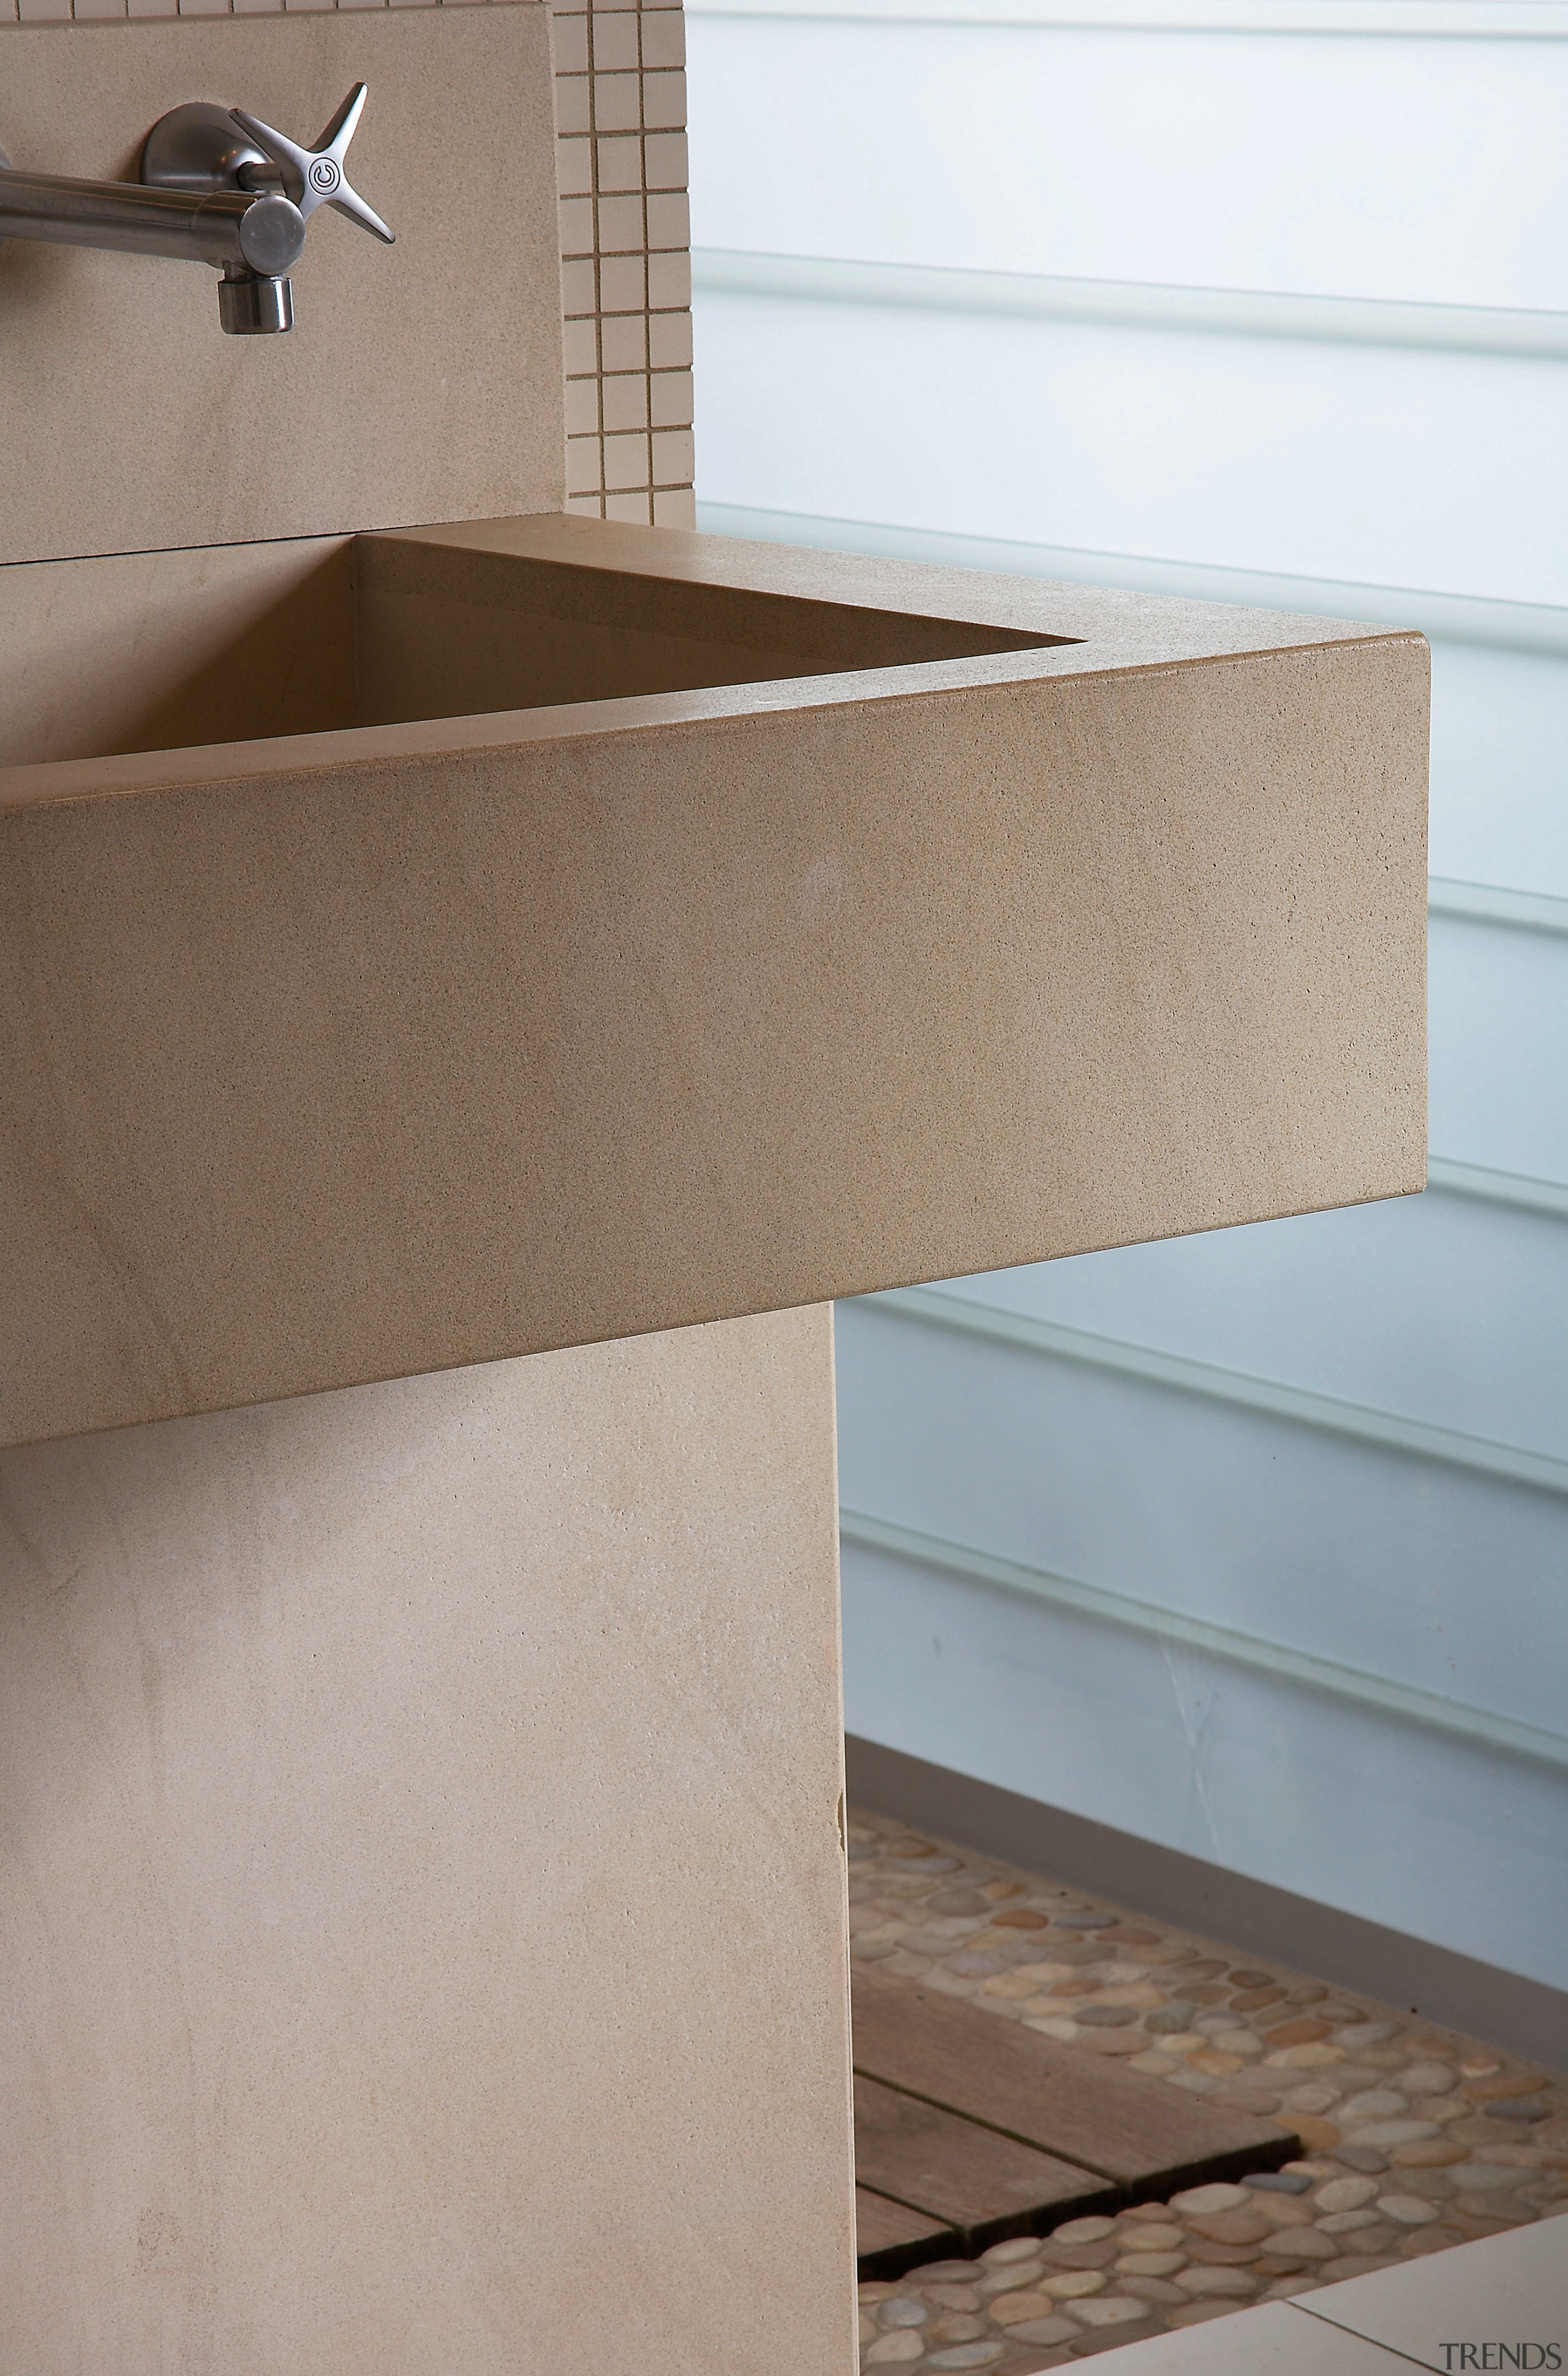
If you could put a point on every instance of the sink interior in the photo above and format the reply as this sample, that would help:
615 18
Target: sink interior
156 652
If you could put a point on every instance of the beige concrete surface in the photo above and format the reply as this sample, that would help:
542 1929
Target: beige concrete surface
449 625
389 1982
366 1054
421 382
232 642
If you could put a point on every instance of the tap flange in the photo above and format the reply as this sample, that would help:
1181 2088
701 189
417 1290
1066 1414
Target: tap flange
201 150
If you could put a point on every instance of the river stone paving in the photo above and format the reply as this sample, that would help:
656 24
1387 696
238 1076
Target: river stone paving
1416 2138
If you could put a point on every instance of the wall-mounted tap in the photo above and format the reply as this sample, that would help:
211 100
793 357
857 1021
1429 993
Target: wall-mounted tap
218 186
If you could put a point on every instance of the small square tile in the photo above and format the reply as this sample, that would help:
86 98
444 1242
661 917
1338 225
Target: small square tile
578 294
633 509
626 402
670 399
670 341
569 43
667 163
669 220
580 347
582 466
620 162
672 458
582 408
571 96
664 39
617 102
573 168
669 282
585 506
674 507
625 462
621 225
577 226
147 8
664 101
622 341
616 49
623 283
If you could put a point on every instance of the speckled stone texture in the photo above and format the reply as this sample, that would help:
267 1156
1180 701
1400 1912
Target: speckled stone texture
1416 2139
421 1896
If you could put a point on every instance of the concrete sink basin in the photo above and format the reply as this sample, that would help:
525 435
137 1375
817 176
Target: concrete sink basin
445 943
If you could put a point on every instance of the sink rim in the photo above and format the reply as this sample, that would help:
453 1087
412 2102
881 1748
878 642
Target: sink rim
1098 632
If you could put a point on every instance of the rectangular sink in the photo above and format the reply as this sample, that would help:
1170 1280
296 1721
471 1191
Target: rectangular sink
317 635
445 943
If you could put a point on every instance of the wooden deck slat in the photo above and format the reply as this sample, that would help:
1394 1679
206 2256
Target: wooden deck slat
1119 2124
883 2226
966 2176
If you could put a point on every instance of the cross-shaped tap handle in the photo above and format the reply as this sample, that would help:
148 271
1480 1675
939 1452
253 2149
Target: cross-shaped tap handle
315 177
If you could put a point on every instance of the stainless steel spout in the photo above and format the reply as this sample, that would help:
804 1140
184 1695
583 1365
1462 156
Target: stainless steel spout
263 232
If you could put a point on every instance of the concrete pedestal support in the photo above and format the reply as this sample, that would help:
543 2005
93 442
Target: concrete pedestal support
422 1911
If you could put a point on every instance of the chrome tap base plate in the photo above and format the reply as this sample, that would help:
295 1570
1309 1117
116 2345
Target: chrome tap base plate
200 148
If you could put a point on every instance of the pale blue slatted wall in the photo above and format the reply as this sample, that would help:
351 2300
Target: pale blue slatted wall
1254 1545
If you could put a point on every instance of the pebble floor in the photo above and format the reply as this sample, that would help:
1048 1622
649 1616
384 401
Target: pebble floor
1416 2138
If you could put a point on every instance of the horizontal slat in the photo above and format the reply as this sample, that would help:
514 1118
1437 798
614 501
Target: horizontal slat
1487 903
1484 20
1480 1726
961 2172
1236 313
1121 2124
1485 1186
1460 618
1299 1404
